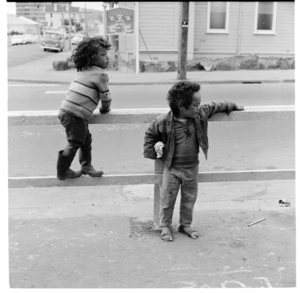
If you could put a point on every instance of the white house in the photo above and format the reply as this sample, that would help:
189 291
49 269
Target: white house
215 29
56 14
21 24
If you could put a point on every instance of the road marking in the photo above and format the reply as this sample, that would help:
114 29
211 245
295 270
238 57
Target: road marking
55 92
32 84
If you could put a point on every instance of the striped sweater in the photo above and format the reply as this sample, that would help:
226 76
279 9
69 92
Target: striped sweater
86 91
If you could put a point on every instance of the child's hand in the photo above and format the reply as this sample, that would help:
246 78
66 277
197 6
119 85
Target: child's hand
159 149
238 108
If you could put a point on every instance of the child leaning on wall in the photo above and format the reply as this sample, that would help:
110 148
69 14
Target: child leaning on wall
85 92
175 138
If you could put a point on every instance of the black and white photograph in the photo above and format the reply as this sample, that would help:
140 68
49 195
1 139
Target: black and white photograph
149 145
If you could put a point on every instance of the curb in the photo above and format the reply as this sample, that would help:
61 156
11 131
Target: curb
165 82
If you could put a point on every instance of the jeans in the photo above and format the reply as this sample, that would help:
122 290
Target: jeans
78 134
173 178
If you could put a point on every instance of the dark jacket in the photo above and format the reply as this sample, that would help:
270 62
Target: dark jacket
162 129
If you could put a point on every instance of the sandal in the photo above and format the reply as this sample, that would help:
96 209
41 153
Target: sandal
167 236
190 233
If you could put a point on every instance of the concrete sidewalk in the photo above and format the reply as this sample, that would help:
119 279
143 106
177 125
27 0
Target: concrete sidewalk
41 71
91 237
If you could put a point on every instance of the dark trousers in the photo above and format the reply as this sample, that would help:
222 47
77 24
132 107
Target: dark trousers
78 134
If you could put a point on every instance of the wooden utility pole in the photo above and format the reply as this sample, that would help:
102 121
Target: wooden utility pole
104 20
112 37
63 21
183 40
85 17
69 6
137 32
39 30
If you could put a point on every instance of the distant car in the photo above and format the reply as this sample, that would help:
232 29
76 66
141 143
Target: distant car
53 40
22 39
28 39
78 37
16 39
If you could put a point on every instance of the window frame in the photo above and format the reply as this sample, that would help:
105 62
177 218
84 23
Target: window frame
218 31
265 32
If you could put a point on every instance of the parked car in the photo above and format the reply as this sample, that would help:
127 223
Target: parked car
16 39
22 39
29 39
53 40
78 37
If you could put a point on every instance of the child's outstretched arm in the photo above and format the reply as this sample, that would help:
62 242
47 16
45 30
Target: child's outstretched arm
216 107
238 108
105 95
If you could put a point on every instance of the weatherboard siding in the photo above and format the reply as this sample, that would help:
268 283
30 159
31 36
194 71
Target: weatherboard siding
215 43
159 26
279 44
282 43
160 21
158 29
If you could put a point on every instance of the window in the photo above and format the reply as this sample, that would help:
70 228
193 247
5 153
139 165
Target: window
217 17
51 15
265 17
52 36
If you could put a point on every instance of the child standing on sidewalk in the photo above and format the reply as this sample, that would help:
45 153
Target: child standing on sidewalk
85 92
175 138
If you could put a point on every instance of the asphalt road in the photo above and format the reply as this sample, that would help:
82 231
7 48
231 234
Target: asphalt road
118 148
21 54
26 97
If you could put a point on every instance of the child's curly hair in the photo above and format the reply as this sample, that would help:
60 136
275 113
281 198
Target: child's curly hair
181 94
82 55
